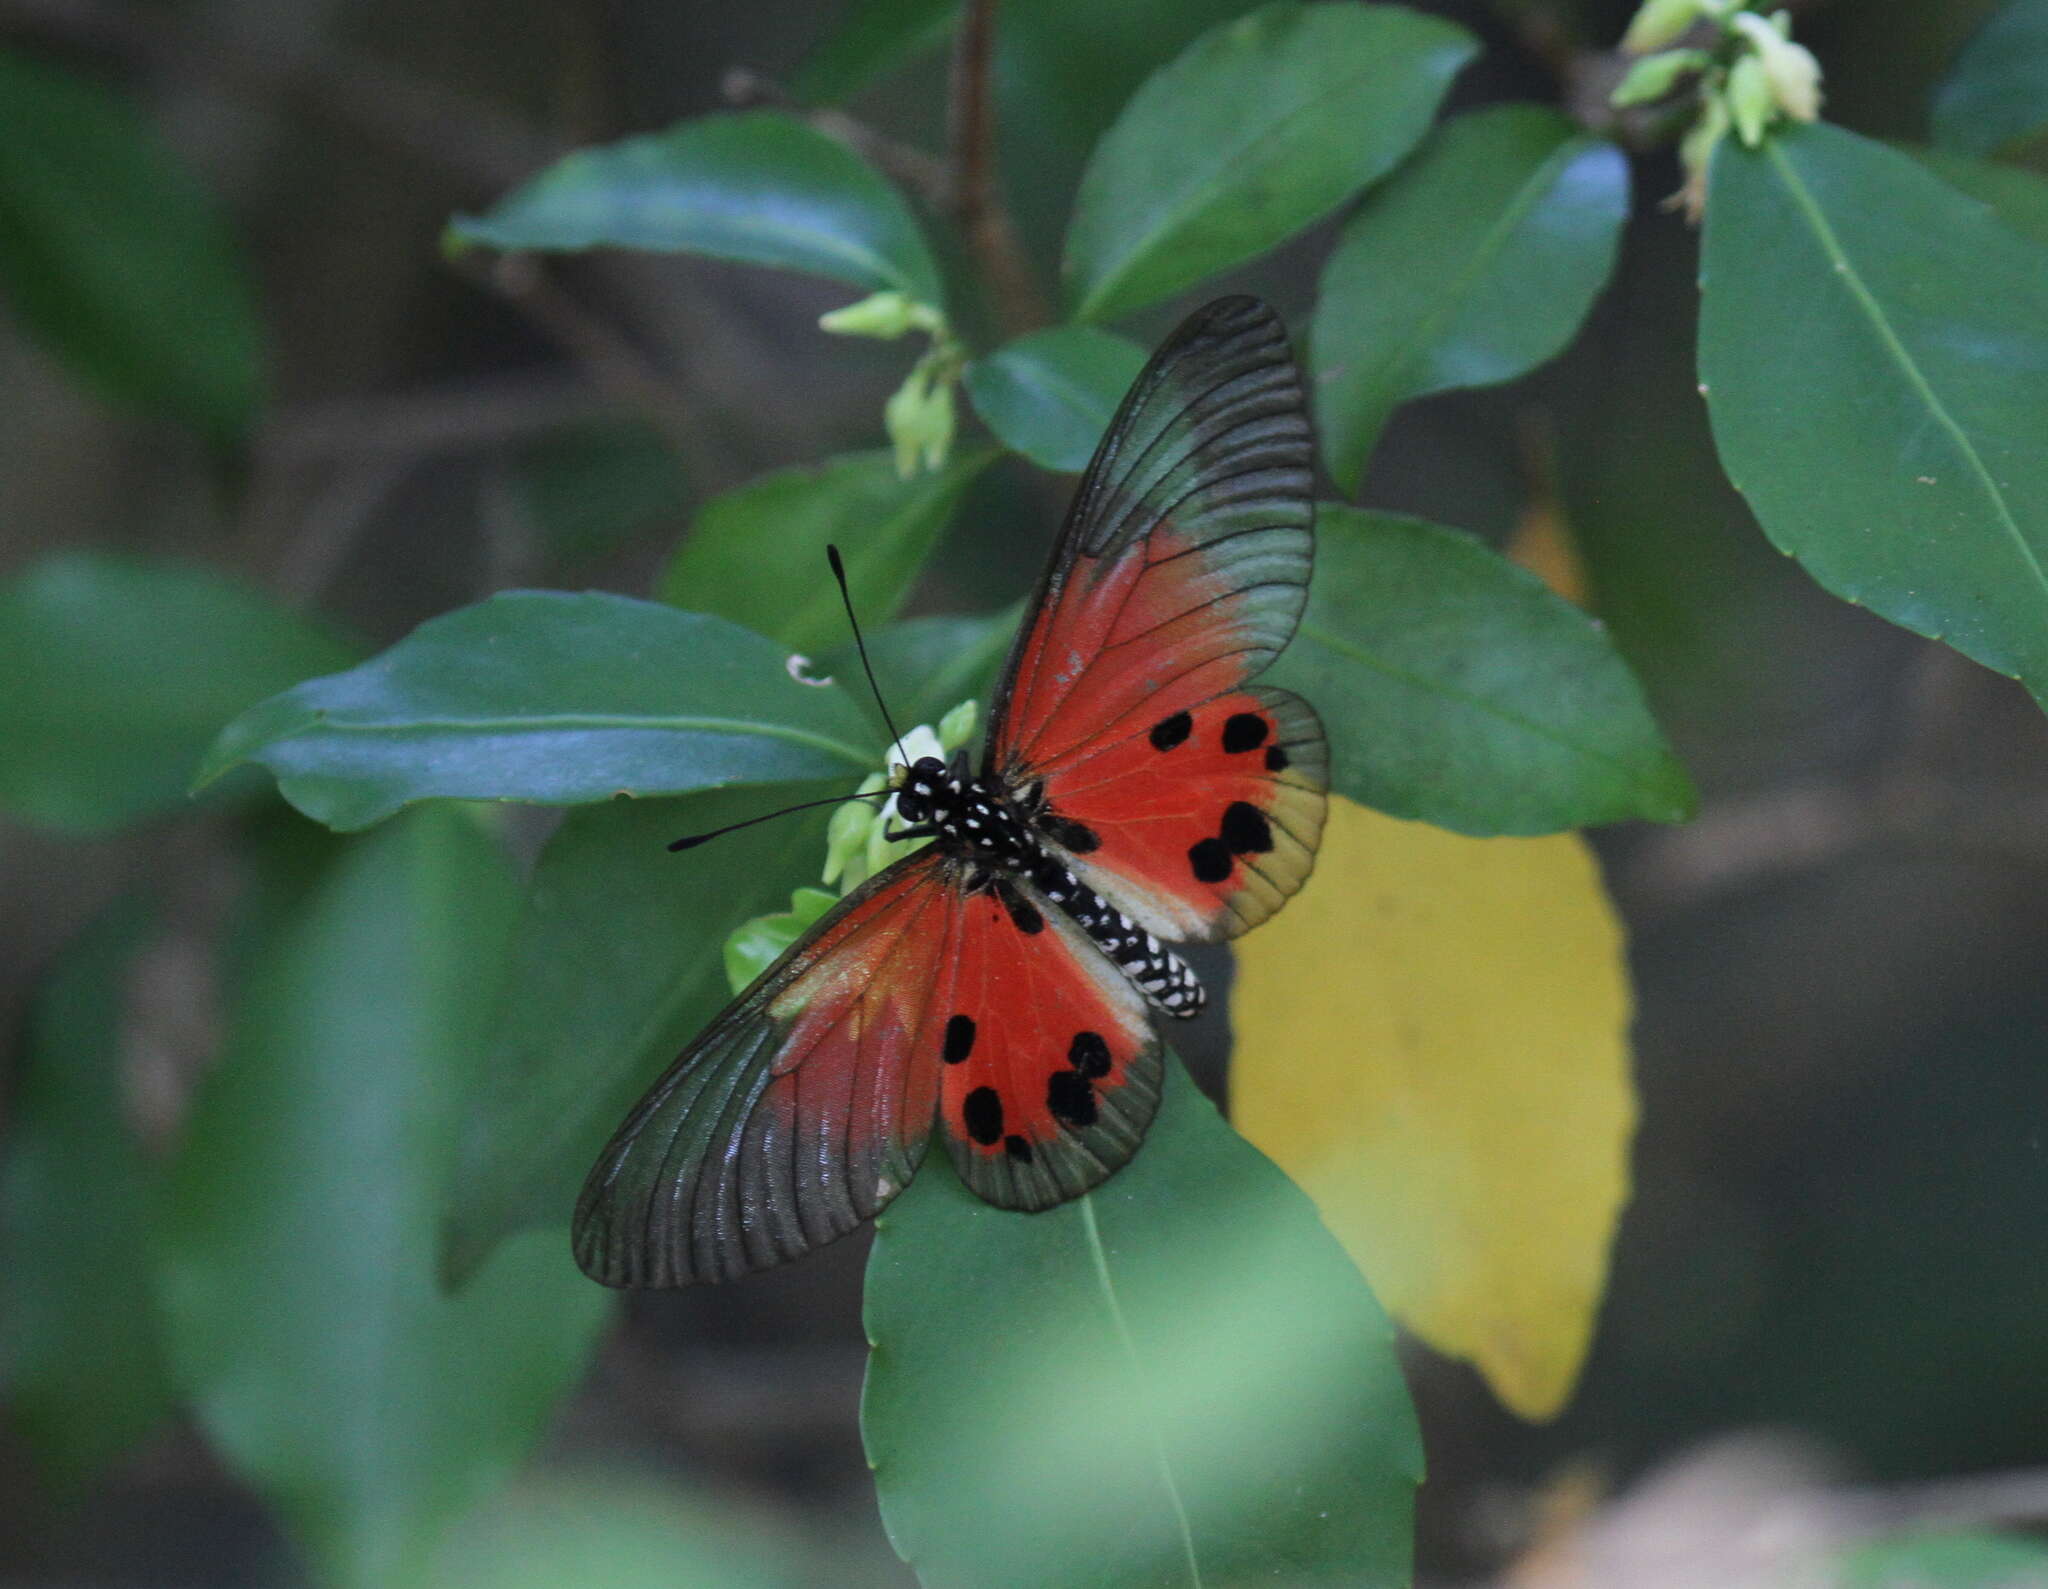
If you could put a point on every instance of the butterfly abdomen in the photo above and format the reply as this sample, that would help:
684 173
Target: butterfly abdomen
1155 970
978 821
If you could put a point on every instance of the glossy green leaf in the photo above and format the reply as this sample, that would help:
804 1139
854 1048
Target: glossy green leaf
1177 1380
1965 1560
1260 127
116 673
1457 689
617 961
2017 196
869 40
1064 69
762 187
1996 94
1473 265
81 1361
1874 352
757 555
928 666
306 1322
543 696
1052 394
113 255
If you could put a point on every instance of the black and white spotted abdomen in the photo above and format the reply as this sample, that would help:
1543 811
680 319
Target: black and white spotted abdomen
974 822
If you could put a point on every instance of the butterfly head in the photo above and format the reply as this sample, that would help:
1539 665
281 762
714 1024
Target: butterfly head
920 787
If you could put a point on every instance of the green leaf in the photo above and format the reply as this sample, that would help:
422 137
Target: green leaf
1996 94
542 696
928 666
1176 1380
757 555
761 187
306 1323
617 962
1259 128
1947 1561
1459 690
116 672
1475 264
1052 394
2017 196
1874 352
81 1362
113 255
869 40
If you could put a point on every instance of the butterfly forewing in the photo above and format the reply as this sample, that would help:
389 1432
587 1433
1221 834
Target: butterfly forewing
798 1113
1181 573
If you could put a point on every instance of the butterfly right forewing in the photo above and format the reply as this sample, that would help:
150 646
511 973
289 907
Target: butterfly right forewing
800 1111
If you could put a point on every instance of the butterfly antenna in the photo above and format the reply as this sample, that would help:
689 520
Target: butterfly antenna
845 595
693 840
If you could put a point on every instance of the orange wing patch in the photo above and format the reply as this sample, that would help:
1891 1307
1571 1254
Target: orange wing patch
1051 1067
1203 824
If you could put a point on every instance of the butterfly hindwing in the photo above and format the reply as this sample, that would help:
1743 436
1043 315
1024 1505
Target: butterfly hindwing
1182 572
799 1112
1051 1065
1204 822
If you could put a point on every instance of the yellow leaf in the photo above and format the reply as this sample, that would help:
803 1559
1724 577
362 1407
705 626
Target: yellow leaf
1433 1041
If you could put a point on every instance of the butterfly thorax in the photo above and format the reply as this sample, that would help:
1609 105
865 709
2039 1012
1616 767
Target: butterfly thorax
995 832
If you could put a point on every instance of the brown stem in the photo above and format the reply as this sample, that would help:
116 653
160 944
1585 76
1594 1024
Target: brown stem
973 197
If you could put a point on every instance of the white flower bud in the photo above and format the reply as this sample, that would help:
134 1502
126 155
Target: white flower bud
1789 69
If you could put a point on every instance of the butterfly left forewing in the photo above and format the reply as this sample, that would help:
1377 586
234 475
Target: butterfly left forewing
799 1112
1051 1067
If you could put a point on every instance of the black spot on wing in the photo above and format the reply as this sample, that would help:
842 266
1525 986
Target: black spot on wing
1276 759
1024 915
1210 860
981 1112
1071 1098
1089 1054
1019 1148
1075 836
1244 731
1171 731
959 1039
1245 829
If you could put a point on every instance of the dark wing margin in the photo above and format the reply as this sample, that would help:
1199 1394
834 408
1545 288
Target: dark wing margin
1211 455
798 1113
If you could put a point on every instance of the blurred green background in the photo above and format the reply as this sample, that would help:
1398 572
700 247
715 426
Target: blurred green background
1841 1223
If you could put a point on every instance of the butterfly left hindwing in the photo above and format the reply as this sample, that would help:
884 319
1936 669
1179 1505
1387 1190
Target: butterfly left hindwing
1052 1068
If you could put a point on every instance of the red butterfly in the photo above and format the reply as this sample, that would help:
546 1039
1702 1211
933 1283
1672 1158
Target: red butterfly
1004 978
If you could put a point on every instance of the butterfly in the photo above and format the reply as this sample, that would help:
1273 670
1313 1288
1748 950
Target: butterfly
1004 981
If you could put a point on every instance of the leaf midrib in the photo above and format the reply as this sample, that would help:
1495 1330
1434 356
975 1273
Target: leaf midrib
1845 271
1123 1331
559 721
